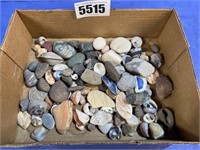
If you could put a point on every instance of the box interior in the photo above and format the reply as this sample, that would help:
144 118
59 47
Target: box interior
162 26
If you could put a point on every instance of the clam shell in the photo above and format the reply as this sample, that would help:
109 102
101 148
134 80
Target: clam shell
49 77
105 129
51 58
100 69
144 129
114 133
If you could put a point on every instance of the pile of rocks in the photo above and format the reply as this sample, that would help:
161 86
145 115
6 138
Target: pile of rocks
111 82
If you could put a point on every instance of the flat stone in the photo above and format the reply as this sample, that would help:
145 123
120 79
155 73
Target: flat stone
164 87
92 54
49 102
67 80
67 72
123 108
113 57
48 121
78 58
112 72
137 98
155 48
110 84
24 104
58 92
30 78
91 77
64 50
140 67
41 69
51 58
105 128
120 69
78 69
32 66
86 47
48 46
60 67
157 60
80 118
35 94
99 43
43 85
23 119
101 118
126 82
120 45
63 115
99 99
38 134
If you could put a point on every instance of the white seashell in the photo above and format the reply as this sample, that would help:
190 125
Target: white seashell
149 118
41 40
36 120
106 128
81 127
136 41
89 111
133 120
74 76
54 106
150 103
74 84
60 67
107 109
99 43
49 77
101 118
80 117
100 69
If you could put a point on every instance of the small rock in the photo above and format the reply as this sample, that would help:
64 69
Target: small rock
120 69
37 107
49 102
57 74
138 111
78 58
120 45
135 53
80 128
30 78
126 59
110 84
74 43
92 63
133 120
86 47
79 82
24 104
51 58
49 77
64 50
41 40
67 72
76 97
60 67
126 82
141 84
85 90
43 85
38 134
113 57
157 60
137 98
128 129
48 121
78 69
140 66
40 51
32 66
99 43
144 57
63 115
35 47
80 117
93 54
105 49
112 72
156 130
144 129
105 128
58 92
136 41
67 80
91 77
164 87
114 133
90 127
41 69
100 69
94 96
152 78
23 119
117 120
155 48
101 118
48 46
123 108
36 120
36 95
110 94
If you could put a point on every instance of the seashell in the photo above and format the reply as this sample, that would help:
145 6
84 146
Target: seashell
51 58
110 84
74 84
144 129
81 127
49 77
133 120
149 118
136 41
106 128
60 67
144 57
85 91
80 117
107 109
149 110
36 47
38 134
156 130
100 57
105 49
100 69
101 118
141 84
89 110
23 119
57 74
54 106
151 79
74 76
166 117
76 97
41 40
36 120
90 127
114 133
150 104
40 51
110 94
123 108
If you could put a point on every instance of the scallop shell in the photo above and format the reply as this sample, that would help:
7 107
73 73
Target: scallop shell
100 69
51 58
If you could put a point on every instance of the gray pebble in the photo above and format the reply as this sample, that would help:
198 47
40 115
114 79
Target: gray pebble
137 98
138 112
41 69
67 72
126 59
120 69
90 127
43 85
35 94
38 134
24 104
79 82
126 82
155 48
91 63
30 78
48 121
67 80
157 60
75 88
78 69
32 66
92 54
75 44
37 107
86 47
112 72
78 58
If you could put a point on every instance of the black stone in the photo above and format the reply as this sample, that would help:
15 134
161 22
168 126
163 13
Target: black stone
78 69
67 80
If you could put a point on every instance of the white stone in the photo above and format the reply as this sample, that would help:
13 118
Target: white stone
120 45
104 129
136 41
113 57
99 43
101 118
105 49
24 119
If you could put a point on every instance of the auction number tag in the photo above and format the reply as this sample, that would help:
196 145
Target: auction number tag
92 8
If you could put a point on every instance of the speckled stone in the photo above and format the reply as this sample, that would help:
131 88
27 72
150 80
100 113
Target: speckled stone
32 66
137 98
120 45
35 94
138 111
43 85
112 72
78 69
157 60
30 78
41 69
126 82
91 77
78 58
67 72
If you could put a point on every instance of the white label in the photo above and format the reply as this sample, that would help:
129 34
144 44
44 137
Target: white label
92 8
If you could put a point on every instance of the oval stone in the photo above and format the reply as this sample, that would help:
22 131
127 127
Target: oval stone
120 45
112 56
91 77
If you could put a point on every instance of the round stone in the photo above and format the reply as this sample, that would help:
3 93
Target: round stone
78 69
78 58
99 43
43 85
136 41
67 80
30 78
126 82
32 66
120 45
41 69
48 121
155 48
67 72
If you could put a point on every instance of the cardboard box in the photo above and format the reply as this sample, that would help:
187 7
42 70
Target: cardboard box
161 25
